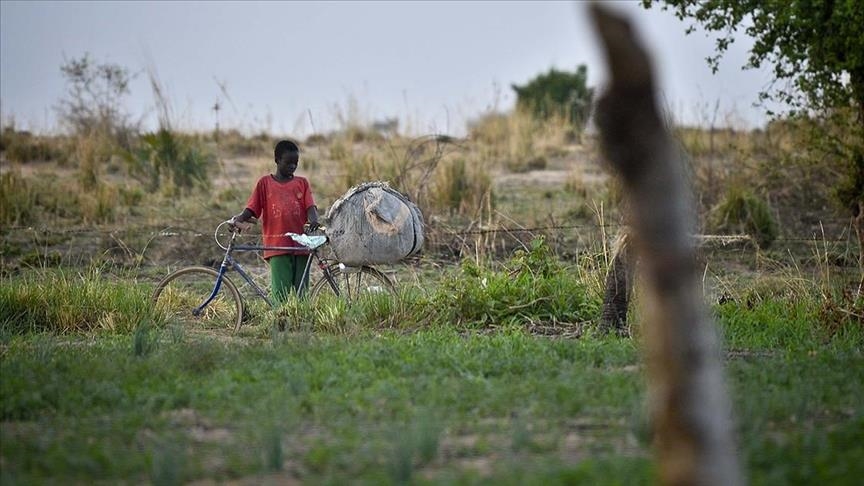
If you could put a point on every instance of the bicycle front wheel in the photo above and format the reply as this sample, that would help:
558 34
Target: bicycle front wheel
180 294
352 283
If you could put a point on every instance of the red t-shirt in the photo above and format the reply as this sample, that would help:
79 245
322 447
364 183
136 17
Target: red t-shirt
281 206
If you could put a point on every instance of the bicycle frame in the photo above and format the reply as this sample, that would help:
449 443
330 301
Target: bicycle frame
228 263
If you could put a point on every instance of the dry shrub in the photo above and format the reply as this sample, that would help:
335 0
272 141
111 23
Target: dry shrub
99 205
92 153
17 199
32 201
842 312
461 188
24 147
235 143
518 142
743 212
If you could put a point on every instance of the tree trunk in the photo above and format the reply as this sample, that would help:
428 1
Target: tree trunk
691 416
619 284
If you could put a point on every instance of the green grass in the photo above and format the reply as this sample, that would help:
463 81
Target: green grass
380 408
790 324
434 405
450 384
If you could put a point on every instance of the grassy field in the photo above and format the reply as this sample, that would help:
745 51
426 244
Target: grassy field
404 391
486 368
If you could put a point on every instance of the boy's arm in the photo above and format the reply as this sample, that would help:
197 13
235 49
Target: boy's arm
312 218
240 219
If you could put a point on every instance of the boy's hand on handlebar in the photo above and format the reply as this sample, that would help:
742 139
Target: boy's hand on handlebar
311 227
236 225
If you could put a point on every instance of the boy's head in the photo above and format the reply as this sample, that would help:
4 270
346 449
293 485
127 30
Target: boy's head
285 146
287 156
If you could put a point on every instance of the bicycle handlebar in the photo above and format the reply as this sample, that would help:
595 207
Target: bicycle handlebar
232 225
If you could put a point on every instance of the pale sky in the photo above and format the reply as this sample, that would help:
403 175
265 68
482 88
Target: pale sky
294 67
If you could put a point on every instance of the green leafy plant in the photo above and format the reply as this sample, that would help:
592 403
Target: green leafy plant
533 287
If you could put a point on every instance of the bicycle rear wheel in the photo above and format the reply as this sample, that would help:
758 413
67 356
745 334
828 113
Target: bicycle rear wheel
352 283
183 291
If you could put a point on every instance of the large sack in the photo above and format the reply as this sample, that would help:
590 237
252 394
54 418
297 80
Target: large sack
373 223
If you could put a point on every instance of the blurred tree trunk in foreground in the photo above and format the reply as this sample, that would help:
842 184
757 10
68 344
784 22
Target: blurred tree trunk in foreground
693 433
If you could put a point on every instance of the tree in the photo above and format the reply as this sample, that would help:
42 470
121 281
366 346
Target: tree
94 99
816 48
815 45
693 429
557 93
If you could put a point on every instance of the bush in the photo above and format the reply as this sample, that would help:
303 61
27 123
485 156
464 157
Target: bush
22 147
164 157
557 94
743 212
532 287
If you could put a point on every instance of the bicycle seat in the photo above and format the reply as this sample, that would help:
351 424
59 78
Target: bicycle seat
309 241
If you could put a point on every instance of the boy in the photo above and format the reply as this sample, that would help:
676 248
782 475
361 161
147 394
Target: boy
284 203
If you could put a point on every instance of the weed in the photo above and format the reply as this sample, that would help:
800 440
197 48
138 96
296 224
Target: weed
167 466
177 333
401 467
203 356
144 339
521 437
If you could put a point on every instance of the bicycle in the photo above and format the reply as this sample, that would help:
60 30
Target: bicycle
190 294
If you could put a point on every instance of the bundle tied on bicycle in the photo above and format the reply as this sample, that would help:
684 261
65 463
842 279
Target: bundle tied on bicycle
372 224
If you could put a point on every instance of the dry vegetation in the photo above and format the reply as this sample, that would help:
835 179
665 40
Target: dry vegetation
512 179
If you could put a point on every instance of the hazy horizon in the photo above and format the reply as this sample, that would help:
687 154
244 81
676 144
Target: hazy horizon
298 68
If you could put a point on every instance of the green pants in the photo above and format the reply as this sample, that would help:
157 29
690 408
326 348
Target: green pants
286 275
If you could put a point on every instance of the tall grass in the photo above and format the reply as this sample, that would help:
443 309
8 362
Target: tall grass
789 309
63 303
517 142
44 200
463 189
17 199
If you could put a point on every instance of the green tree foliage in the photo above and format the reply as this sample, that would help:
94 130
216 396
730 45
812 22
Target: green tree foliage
816 49
816 45
557 94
